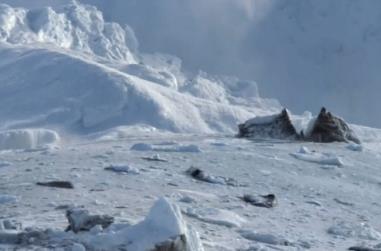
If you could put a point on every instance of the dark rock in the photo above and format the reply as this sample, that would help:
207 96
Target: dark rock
330 128
175 244
277 126
57 184
81 220
267 201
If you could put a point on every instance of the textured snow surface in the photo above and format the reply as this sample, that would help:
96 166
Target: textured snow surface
339 206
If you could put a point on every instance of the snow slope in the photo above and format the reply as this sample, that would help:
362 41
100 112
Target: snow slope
319 207
79 74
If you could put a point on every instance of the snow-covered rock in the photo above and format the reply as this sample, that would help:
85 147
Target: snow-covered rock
278 126
330 128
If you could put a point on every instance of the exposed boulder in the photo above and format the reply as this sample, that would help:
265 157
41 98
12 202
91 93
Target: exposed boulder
330 128
276 126
325 128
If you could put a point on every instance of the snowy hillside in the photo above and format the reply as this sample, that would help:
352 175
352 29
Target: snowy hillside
105 147
81 73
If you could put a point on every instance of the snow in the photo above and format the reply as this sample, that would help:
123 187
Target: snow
219 216
362 231
7 198
172 148
216 216
163 222
78 27
81 76
28 139
120 168
69 78
321 158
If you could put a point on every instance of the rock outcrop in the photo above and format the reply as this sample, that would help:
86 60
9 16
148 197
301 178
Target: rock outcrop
326 128
276 126
330 128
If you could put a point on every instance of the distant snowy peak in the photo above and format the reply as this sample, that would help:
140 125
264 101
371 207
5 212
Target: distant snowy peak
77 27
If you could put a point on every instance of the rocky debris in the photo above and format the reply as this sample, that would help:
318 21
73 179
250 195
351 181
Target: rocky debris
330 128
199 174
57 184
81 220
267 201
277 126
178 243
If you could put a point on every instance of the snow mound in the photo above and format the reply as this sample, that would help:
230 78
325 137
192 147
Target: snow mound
321 158
163 223
122 168
173 148
7 199
27 139
80 74
361 231
216 216
76 27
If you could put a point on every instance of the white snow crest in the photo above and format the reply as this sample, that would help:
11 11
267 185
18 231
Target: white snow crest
164 222
27 139
76 27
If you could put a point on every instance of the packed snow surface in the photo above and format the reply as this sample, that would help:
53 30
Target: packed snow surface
338 206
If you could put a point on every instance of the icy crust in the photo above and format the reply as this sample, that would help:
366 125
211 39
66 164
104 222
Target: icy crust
76 27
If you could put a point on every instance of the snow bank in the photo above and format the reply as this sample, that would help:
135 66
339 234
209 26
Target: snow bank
163 223
80 73
159 148
27 139
216 216
321 158
7 199
76 27
348 230
122 168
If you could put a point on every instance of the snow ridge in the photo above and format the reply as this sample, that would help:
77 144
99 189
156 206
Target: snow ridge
77 27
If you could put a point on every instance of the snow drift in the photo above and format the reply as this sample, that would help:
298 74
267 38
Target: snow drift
27 139
77 27
70 69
